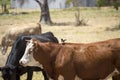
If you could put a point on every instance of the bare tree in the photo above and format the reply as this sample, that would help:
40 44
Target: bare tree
21 2
45 14
78 18
75 3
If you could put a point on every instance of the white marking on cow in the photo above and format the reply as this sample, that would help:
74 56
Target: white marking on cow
60 77
27 58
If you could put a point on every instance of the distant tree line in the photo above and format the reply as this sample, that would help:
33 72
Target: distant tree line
45 14
99 3
115 3
4 4
74 2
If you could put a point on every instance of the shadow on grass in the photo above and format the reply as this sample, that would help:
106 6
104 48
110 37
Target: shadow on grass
62 24
115 28
67 24
14 13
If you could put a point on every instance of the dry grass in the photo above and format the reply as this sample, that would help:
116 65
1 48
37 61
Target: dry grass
98 21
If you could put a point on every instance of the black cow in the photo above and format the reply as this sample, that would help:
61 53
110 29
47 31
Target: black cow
12 67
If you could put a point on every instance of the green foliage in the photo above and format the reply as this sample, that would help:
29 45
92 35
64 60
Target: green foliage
8 2
115 3
79 20
4 7
68 1
75 3
5 1
101 3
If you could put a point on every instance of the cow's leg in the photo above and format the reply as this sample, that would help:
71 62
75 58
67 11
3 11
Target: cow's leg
44 74
39 69
17 77
29 75
14 77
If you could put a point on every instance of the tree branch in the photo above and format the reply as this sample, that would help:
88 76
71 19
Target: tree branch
38 2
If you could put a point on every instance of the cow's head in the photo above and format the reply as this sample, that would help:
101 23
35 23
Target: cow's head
28 55
8 73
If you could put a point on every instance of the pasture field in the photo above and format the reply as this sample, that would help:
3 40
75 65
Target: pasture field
102 24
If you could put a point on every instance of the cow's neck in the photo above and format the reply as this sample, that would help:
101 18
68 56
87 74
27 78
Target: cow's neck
16 53
48 56
48 50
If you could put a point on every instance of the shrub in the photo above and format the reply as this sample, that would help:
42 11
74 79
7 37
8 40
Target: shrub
101 3
78 19
115 3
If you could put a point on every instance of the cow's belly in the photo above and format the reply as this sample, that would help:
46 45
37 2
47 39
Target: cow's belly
94 70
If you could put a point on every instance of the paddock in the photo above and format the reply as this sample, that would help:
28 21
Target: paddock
100 26
93 61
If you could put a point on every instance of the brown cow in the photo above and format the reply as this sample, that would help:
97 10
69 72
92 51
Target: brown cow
91 61
11 34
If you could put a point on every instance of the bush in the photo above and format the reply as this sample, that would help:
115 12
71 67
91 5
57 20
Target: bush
101 3
78 19
115 3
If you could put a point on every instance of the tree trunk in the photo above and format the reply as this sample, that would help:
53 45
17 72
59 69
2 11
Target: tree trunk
45 14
